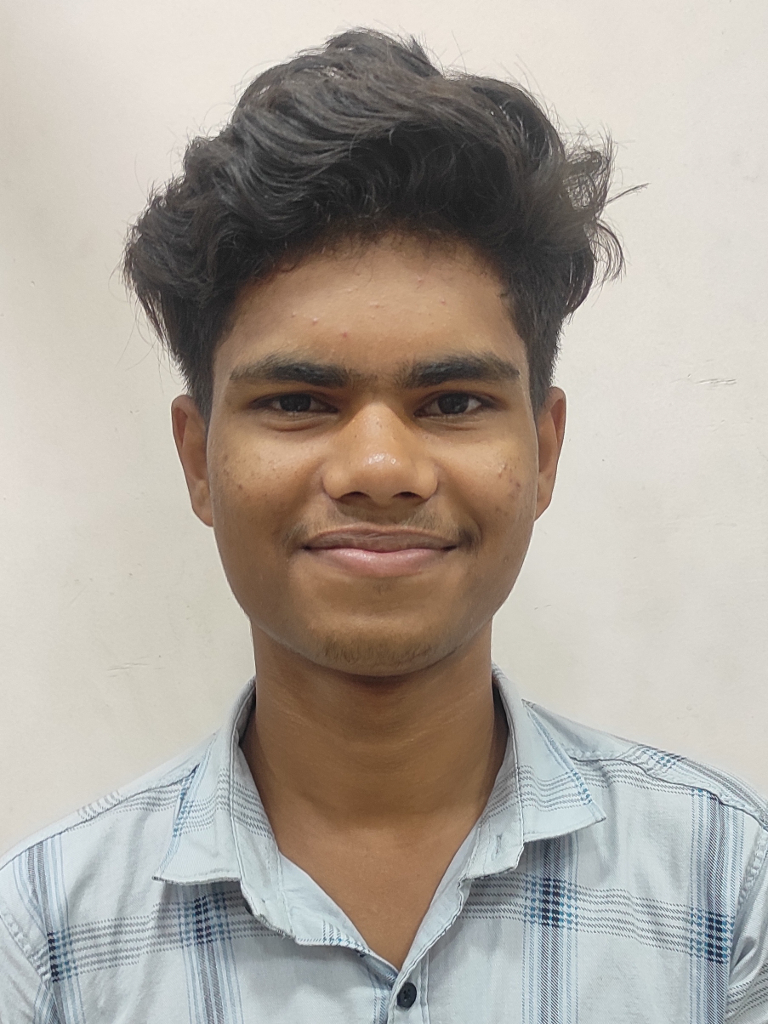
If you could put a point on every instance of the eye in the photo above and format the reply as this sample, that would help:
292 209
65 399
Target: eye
453 404
296 403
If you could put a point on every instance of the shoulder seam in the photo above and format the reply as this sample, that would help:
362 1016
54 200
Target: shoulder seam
759 857
87 814
16 934
757 813
757 809
108 802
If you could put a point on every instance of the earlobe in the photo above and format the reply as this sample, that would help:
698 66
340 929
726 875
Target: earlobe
550 427
190 435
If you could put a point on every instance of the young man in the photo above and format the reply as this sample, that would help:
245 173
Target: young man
363 278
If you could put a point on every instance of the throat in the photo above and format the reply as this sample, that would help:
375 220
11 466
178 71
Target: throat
381 755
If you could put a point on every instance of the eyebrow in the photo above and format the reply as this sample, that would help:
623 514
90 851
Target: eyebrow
284 369
485 367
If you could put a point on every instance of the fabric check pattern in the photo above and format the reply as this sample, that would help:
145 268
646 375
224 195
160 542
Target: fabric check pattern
604 882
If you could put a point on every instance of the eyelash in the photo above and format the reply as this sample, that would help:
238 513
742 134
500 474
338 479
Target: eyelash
482 404
267 403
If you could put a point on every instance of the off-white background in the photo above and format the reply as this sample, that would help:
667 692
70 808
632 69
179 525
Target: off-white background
642 606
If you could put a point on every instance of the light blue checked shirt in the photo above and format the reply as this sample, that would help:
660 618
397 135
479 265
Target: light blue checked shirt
605 883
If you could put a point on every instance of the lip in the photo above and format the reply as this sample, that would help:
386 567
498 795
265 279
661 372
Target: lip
378 540
376 552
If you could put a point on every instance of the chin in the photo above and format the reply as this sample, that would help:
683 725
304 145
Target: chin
380 656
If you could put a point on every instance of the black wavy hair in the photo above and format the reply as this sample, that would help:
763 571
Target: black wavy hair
359 138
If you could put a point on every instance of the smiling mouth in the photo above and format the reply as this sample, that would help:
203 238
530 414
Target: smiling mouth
379 552
379 540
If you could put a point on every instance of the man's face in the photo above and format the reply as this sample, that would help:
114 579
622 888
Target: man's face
372 468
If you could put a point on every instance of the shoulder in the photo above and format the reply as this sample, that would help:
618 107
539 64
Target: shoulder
99 853
95 865
680 841
626 768
153 794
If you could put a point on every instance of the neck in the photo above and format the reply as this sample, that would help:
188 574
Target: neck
387 753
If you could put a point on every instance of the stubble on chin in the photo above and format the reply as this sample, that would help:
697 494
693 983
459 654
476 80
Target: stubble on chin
379 656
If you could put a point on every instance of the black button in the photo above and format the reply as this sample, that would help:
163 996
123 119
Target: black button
406 997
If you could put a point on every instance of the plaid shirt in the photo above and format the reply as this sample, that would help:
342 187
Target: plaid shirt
605 883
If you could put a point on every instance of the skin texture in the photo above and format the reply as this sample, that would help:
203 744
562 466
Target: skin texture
376 739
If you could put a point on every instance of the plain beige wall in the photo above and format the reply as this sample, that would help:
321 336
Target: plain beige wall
642 607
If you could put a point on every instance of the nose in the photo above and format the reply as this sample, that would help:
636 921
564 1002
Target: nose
380 459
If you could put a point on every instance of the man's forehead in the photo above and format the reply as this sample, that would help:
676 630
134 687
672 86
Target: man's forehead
383 273
396 314
406 306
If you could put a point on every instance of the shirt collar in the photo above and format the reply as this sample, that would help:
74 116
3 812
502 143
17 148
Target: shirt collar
538 794
221 832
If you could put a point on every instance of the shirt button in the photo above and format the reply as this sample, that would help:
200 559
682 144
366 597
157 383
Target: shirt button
406 997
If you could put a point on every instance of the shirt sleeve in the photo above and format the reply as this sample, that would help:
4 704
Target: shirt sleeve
24 996
748 989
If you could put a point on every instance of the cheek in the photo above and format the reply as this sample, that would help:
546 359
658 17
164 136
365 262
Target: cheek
506 491
250 485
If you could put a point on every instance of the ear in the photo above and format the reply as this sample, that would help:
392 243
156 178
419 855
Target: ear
550 427
190 435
